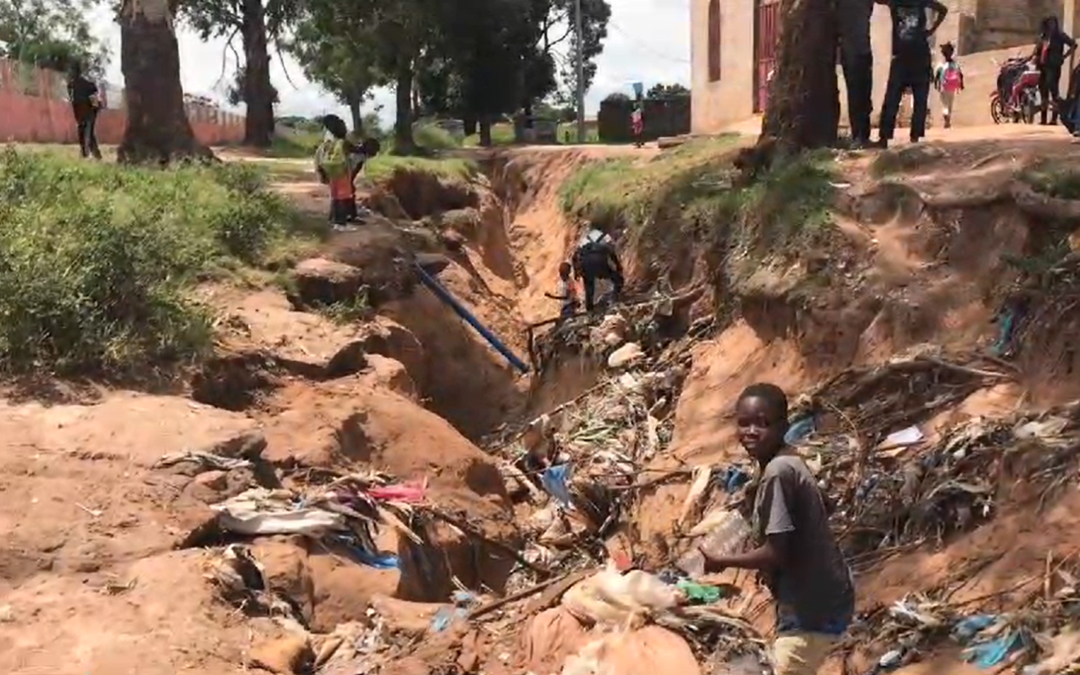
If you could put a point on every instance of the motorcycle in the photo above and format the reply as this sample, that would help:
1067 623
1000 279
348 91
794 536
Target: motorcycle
1016 72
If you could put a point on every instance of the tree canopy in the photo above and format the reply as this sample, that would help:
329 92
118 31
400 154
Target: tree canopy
51 34
477 59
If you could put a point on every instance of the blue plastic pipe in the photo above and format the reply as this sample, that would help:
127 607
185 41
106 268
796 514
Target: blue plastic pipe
440 292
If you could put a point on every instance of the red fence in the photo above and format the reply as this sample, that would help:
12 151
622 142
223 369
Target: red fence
34 109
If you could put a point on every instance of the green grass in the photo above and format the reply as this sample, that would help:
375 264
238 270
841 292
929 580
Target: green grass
97 260
296 145
1061 181
688 195
382 168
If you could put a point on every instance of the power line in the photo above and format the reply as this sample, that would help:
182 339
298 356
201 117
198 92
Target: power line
645 46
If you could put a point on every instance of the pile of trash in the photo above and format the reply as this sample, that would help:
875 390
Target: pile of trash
624 333
636 622
345 513
579 465
1041 639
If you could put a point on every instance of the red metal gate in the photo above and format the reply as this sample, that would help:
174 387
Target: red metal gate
766 39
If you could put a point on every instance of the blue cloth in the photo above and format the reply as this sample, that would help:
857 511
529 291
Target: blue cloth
972 626
987 655
554 481
1008 323
800 430
380 561
733 478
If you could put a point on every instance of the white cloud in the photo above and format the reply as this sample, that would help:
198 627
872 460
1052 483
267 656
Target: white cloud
648 41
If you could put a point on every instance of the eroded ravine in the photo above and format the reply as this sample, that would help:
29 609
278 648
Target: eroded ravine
113 560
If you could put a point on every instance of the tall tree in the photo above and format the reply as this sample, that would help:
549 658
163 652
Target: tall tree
158 130
398 33
485 46
556 43
804 100
667 91
52 34
258 23
338 55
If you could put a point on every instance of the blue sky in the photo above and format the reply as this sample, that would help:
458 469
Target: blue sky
648 41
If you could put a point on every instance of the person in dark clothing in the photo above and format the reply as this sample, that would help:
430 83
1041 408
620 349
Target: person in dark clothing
857 60
595 259
85 104
795 552
1051 52
911 66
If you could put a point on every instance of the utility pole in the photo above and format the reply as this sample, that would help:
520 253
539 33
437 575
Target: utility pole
580 32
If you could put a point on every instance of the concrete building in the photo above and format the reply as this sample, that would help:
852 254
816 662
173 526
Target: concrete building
733 49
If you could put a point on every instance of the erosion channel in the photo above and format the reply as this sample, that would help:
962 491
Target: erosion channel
340 490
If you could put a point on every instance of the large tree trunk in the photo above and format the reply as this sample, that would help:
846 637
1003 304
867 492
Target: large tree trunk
485 131
804 102
258 91
357 118
158 130
403 132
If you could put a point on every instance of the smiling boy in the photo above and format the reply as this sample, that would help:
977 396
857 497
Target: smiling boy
796 554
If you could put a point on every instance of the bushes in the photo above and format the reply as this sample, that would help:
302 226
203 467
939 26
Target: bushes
95 259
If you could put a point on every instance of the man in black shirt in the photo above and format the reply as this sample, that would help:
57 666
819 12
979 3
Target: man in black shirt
911 66
857 60
84 104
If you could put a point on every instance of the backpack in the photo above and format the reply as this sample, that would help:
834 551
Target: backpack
331 158
952 80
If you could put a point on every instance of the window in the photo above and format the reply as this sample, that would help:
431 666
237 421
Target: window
714 40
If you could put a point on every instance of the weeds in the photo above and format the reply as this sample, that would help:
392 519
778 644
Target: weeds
1061 182
96 259
685 201
380 169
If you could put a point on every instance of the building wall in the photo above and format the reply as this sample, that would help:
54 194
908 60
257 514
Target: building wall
716 105
35 109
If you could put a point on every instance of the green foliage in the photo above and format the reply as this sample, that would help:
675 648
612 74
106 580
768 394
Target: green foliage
338 55
434 137
1061 182
688 196
96 259
52 34
662 91
382 168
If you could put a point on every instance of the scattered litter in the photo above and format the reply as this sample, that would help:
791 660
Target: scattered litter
204 460
626 355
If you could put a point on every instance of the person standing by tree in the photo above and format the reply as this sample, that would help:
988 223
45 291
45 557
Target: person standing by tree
796 553
85 103
857 60
911 64
1051 52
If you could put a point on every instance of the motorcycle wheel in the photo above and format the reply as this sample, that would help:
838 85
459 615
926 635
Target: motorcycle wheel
1027 111
998 111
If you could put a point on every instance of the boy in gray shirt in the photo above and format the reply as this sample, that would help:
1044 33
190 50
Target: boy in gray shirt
796 554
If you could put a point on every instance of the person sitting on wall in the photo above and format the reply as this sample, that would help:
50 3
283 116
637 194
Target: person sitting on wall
85 103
